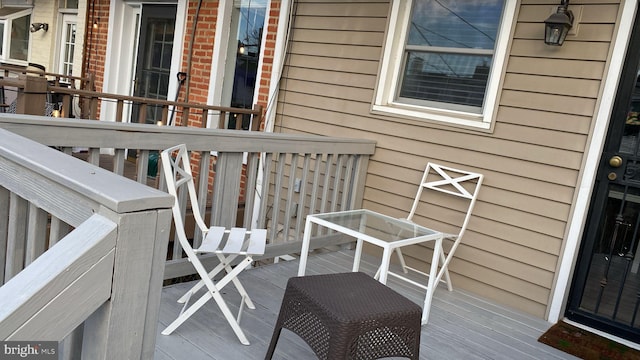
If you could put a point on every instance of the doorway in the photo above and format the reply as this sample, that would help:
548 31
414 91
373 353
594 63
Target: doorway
153 60
606 284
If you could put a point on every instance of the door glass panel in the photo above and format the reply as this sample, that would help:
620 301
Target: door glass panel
630 137
249 16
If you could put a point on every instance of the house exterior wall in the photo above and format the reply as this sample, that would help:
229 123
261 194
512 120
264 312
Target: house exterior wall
44 45
532 159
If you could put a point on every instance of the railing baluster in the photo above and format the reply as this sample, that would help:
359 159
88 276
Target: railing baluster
4 226
264 190
119 110
289 201
36 234
17 233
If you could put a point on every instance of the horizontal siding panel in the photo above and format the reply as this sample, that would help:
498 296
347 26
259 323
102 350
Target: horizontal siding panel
330 64
488 276
475 142
585 32
541 136
392 187
519 236
591 13
513 251
499 295
513 217
332 77
534 119
556 103
517 218
552 85
336 51
411 169
443 153
573 50
556 67
343 23
467 256
341 9
353 38
329 90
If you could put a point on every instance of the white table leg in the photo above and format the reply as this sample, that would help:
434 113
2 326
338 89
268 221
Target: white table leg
433 274
304 253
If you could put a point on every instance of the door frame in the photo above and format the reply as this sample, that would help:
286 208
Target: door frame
121 51
587 179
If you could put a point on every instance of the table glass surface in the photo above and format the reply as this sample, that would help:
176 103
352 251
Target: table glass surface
379 226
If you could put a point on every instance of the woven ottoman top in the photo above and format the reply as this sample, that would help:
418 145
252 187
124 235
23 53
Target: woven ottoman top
360 295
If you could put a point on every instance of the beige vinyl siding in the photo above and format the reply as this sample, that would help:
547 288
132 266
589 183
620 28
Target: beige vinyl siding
531 160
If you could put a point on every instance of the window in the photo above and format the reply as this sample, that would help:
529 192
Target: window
15 35
68 4
443 60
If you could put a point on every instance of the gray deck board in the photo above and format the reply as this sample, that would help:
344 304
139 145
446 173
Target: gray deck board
461 326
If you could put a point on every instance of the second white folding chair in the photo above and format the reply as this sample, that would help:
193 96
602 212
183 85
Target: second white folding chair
461 184
227 244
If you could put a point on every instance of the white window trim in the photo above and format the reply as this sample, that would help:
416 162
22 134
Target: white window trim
384 102
6 39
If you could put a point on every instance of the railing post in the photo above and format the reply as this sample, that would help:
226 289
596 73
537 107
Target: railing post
125 326
33 96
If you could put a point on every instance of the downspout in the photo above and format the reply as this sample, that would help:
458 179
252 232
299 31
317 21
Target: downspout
194 25
280 53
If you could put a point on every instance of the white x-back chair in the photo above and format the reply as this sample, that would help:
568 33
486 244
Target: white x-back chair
227 244
439 179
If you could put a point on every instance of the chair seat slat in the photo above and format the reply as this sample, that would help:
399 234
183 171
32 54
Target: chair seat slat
257 242
212 240
235 241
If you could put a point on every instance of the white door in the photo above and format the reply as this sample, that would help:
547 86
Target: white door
66 50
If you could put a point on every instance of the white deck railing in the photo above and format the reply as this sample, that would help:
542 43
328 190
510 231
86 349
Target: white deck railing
81 248
104 275
253 171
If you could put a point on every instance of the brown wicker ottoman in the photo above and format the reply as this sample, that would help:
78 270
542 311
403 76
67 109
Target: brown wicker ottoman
349 316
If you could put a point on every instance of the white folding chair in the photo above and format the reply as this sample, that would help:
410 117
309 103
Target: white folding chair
227 244
449 181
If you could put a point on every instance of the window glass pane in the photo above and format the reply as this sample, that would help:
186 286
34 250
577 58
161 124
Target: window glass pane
449 52
69 4
455 23
454 79
19 47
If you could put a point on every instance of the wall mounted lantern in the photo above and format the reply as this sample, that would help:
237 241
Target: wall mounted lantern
39 26
557 26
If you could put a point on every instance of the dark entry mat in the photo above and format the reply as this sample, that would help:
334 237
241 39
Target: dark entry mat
586 345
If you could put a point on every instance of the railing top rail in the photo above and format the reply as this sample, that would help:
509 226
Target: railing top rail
96 184
55 132
149 101
23 70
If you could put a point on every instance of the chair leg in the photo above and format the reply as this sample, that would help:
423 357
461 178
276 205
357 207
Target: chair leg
236 282
214 292
445 269
200 284
401 258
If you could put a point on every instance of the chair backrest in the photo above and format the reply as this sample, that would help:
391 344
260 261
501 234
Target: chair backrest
454 182
176 165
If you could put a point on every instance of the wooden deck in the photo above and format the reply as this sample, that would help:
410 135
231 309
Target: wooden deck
461 326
